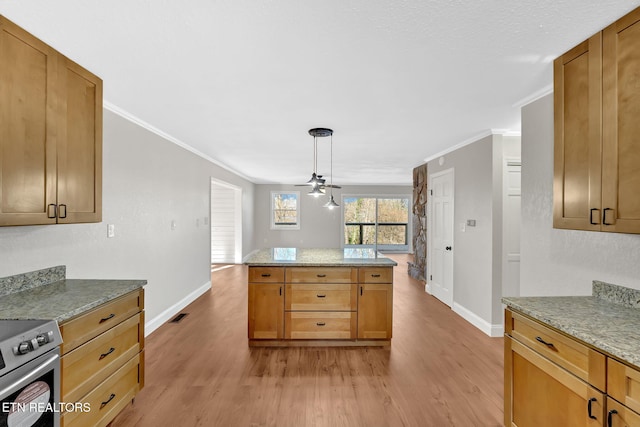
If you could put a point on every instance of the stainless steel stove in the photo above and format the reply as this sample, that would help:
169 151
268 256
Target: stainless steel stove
29 373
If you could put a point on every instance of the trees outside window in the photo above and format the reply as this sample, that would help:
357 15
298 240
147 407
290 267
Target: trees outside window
376 221
285 210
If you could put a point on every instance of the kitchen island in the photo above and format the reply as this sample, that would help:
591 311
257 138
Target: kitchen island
329 297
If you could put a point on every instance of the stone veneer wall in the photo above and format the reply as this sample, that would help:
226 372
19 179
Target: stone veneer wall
417 269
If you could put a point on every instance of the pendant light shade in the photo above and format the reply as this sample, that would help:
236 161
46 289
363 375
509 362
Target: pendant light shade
317 182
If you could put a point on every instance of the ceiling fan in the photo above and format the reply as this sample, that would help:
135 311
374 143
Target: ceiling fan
317 182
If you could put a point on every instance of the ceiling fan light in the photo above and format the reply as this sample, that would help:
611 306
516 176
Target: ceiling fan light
331 204
316 192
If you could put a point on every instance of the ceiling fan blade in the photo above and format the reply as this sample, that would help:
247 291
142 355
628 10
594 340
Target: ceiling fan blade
332 186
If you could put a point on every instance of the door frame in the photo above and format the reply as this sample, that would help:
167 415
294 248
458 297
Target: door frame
451 171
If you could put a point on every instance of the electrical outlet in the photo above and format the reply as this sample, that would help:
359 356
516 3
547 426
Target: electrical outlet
111 230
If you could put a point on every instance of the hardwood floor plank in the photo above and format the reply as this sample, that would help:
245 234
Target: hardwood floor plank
438 371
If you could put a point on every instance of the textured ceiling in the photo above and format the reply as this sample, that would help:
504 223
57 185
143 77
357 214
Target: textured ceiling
242 81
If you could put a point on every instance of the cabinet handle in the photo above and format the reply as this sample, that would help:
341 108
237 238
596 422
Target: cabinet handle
49 214
65 211
321 295
604 217
320 324
375 275
266 275
103 355
321 275
548 344
104 319
591 216
105 403
280 290
360 290
593 399
610 416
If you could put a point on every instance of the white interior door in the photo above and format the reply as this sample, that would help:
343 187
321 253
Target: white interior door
441 232
511 229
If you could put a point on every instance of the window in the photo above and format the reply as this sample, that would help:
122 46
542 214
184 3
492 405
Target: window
376 221
285 210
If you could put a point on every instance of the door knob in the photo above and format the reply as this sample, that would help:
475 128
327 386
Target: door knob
448 248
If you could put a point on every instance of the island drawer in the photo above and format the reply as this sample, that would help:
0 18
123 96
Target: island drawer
320 325
321 275
90 364
87 326
266 274
623 384
576 357
376 275
318 297
109 398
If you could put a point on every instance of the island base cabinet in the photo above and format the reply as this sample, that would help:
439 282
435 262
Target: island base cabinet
620 416
538 392
266 311
375 308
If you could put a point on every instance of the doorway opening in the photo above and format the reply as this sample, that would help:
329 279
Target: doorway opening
226 224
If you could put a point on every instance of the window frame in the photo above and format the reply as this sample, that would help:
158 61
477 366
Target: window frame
380 247
272 211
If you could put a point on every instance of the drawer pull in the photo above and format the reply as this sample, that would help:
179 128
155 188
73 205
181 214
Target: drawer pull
321 295
610 416
103 355
375 275
105 403
321 275
548 344
104 319
593 399
320 324
266 275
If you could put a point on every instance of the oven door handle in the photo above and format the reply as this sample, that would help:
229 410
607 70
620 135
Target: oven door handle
33 374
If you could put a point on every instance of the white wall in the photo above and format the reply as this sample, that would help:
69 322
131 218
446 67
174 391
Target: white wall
478 258
147 183
562 262
319 226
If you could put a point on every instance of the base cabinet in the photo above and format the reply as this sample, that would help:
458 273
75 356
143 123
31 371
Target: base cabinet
553 379
102 362
320 305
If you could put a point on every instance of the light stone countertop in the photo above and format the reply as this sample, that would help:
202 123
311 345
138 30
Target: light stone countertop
607 324
327 257
63 299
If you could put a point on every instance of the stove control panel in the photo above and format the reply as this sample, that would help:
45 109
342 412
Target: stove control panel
34 343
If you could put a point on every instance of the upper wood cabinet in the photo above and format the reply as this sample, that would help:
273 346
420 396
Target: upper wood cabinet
50 134
597 152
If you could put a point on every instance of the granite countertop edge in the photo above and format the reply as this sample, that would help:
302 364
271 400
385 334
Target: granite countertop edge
607 326
64 299
315 257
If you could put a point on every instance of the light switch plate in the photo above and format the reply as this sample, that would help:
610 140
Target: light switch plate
111 230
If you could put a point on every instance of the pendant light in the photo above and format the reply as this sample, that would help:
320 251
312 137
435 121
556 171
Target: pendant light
331 203
316 181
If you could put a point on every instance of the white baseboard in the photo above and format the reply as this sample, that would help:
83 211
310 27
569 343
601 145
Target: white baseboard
167 314
478 322
427 288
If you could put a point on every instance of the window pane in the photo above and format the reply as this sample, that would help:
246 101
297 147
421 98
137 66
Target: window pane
393 210
358 209
392 235
352 235
285 210
369 234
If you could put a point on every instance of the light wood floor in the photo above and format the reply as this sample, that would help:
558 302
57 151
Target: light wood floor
438 371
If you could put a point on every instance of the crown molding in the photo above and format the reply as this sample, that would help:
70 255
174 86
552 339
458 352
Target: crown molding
136 120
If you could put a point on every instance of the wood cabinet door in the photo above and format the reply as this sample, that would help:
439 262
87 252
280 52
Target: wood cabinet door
266 311
578 125
27 128
620 416
80 145
540 393
375 308
621 125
